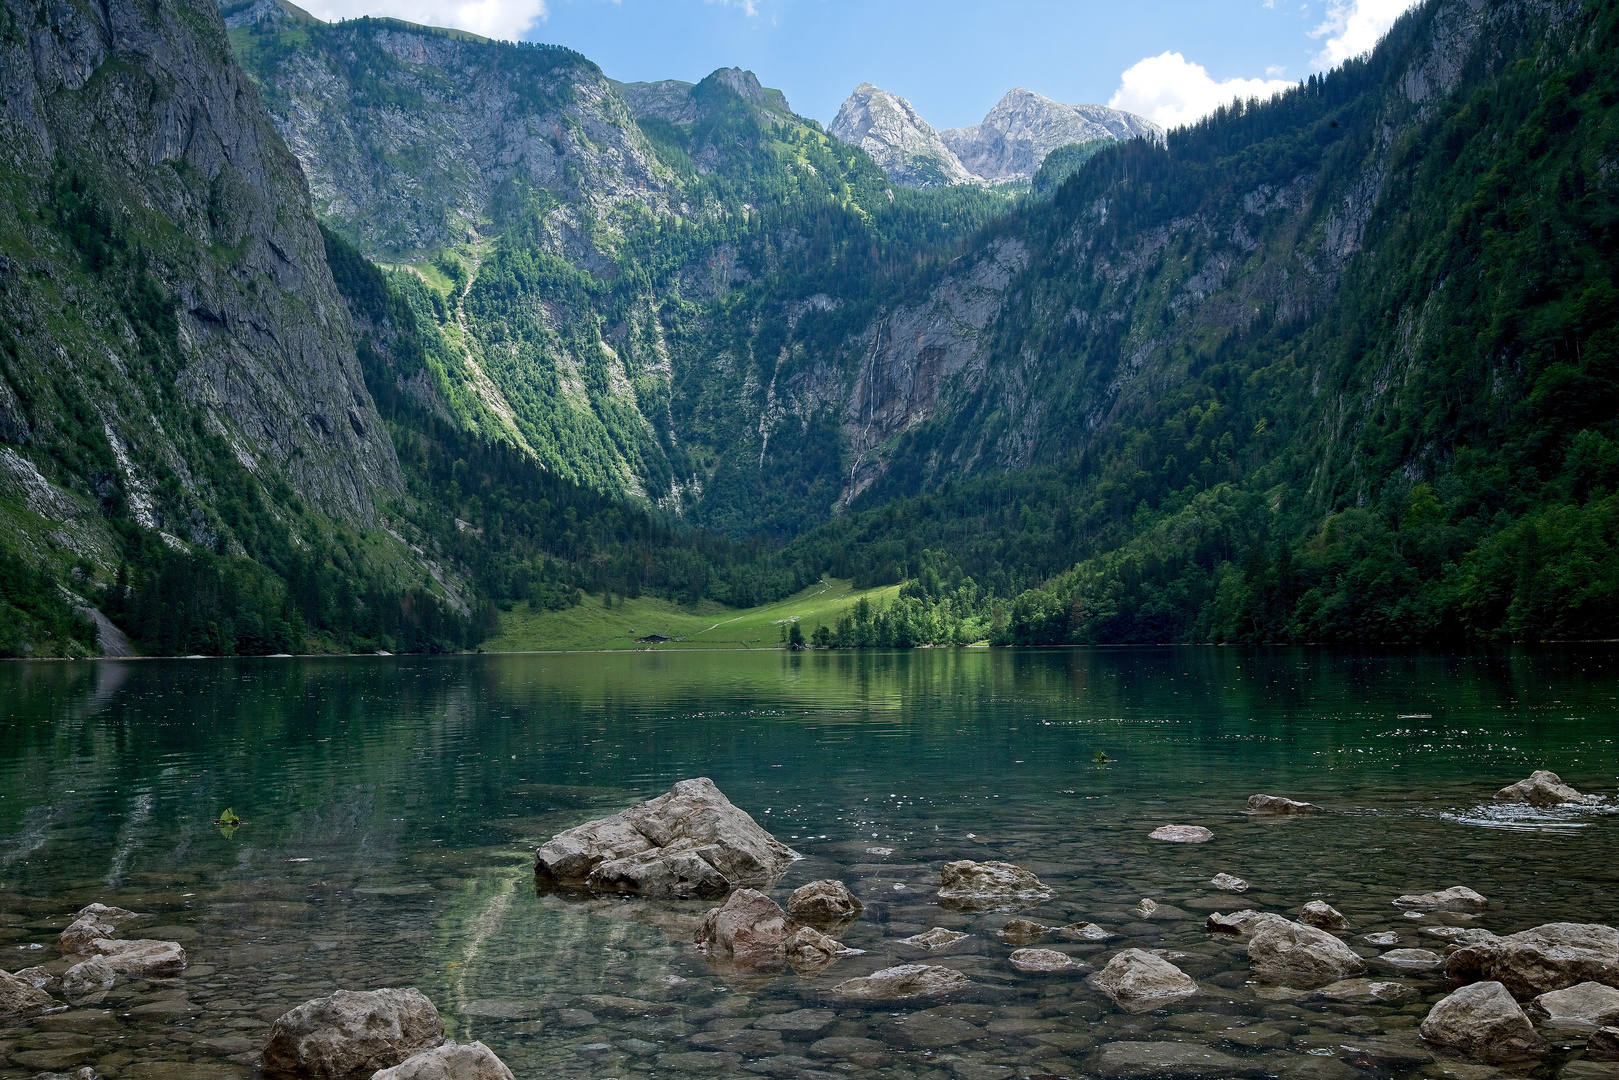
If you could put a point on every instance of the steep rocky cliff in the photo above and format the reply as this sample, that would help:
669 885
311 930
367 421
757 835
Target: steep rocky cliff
1023 127
888 128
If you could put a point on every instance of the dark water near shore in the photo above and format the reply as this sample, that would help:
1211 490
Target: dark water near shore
392 806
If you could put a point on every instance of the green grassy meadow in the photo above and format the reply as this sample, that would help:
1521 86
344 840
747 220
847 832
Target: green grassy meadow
593 625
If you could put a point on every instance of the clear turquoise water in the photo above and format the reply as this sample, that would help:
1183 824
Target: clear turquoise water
392 806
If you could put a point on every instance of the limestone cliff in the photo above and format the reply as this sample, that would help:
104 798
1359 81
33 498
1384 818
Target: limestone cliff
1024 127
888 128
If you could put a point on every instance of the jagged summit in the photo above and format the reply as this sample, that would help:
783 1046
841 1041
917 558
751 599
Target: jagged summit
678 102
887 127
1009 144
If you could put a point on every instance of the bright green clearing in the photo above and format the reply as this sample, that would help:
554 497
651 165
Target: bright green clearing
593 625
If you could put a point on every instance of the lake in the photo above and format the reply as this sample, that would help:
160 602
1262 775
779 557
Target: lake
391 806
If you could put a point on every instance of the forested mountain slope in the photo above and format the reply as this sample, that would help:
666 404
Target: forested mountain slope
1337 366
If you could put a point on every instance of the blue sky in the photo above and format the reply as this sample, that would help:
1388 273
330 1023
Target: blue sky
1172 59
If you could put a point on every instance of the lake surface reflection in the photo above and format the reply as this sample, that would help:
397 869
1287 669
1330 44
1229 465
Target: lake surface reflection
391 807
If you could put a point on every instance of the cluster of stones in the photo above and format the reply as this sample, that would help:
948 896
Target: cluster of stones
385 1034
96 957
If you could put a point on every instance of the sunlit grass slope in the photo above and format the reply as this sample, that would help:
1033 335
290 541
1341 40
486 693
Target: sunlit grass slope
592 625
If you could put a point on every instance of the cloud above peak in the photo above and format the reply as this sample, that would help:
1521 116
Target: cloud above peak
1352 27
1172 91
508 19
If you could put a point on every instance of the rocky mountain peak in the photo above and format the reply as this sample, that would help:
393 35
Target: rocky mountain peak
887 127
1023 127
677 102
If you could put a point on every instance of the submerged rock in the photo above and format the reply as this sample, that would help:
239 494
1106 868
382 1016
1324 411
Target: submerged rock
1457 898
824 903
902 982
1543 788
1132 1060
1537 961
1137 980
1286 951
749 923
452 1061
1367 992
1276 804
1460 935
93 922
1322 914
810 950
1482 1021
352 1032
689 842
19 998
1147 906
39 977
1584 1006
1046 962
1024 931
1383 939
1229 883
1412 958
141 958
1087 931
88 978
1182 834
937 938
974 885
1242 922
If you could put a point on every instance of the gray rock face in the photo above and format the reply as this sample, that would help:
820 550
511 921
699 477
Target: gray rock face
1456 898
1322 914
824 903
19 998
352 1032
670 100
748 923
979 885
1290 951
1045 962
1133 1060
690 842
1603 1044
1543 788
1582 1007
1538 961
1482 1021
1138 980
88 979
1276 804
1182 834
902 982
1014 138
451 1061
903 144
94 922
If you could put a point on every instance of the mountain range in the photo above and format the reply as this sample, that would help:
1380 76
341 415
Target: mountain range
353 335
1010 144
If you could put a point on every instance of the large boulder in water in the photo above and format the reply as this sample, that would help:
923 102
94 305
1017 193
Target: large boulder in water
452 1061
690 842
21 998
977 885
824 903
352 1033
1538 961
1585 1006
93 922
1543 788
1292 952
1482 1021
1138 980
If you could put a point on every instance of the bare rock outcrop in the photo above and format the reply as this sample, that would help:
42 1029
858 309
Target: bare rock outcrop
452 1061
1293 952
1138 980
1543 788
980 885
690 842
352 1032
1537 961
1482 1021
904 145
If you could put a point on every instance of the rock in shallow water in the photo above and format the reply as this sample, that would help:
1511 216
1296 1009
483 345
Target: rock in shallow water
1137 980
689 842
901 982
1288 951
141 958
1182 834
1457 898
977 885
748 924
1130 1060
1367 992
1024 931
352 1032
824 903
452 1061
1229 883
1482 1021
1242 922
1584 1006
1324 915
1546 958
87 979
1088 931
20 998
1412 958
1543 788
92 922
937 938
1045 962
1276 804
1603 1044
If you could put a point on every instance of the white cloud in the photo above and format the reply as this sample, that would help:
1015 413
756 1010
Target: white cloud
1172 91
1352 27
510 19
